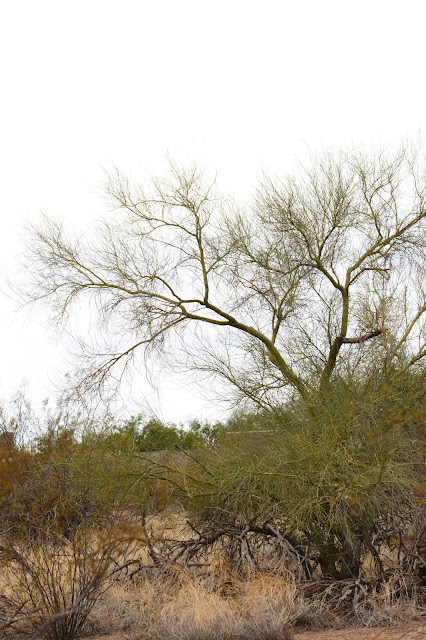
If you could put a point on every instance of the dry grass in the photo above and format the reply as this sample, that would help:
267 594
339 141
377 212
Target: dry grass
187 608
264 607
219 604
391 604
222 606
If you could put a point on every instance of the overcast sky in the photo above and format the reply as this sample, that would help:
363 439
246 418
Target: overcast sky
238 86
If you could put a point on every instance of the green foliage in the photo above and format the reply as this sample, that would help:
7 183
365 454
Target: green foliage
241 420
71 474
208 434
57 490
337 476
140 434
156 436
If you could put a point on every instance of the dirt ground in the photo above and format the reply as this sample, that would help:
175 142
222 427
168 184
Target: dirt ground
377 633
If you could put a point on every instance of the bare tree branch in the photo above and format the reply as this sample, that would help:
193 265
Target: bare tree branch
287 273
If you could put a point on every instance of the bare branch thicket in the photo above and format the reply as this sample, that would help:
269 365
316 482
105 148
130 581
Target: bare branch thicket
324 264
52 583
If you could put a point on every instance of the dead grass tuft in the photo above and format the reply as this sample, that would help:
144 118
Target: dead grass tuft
264 607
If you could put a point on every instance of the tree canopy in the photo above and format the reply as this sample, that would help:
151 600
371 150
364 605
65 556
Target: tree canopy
320 277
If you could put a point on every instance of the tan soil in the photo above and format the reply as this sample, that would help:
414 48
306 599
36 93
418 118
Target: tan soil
377 633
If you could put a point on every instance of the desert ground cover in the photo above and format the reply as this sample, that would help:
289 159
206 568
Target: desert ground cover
384 633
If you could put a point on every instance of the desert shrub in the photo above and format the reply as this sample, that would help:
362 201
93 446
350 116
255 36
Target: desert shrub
337 478
65 534
51 583
13 464
55 490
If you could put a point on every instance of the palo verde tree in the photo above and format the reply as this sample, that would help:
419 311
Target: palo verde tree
275 297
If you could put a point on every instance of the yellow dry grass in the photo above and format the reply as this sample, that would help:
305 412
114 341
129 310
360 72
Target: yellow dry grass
264 607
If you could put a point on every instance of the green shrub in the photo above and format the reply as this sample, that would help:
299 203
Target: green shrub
336 476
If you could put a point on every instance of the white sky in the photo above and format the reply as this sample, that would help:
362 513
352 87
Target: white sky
239 86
